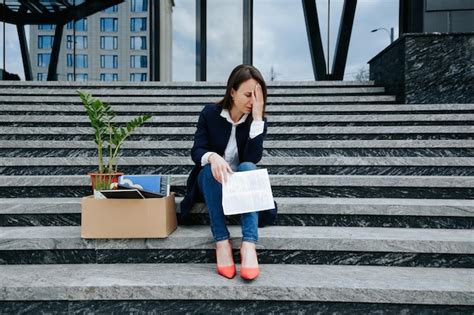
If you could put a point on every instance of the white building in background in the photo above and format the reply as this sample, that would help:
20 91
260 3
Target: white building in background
111 45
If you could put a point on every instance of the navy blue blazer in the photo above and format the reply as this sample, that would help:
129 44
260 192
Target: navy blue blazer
212 134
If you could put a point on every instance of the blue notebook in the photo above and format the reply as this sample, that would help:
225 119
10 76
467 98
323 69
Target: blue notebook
148 183
151 183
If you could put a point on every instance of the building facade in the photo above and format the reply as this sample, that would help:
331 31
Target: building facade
111 45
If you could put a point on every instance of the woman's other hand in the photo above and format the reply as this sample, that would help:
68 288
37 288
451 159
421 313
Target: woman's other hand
219 167
257 103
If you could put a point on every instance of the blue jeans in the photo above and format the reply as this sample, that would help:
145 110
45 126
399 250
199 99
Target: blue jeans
212 192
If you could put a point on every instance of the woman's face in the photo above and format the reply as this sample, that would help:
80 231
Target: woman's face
243 96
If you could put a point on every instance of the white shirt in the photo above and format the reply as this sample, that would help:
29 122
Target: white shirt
231 154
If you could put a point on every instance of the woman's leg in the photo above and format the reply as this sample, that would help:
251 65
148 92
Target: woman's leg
249 221
248 253
212 192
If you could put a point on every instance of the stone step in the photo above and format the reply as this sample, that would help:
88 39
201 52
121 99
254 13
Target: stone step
272 110
292 119
179 85
197 99
193 244
358 284
266 161
276 180
269 144
342 165
346 186
363 212
354 206
271 130
218 92
443 241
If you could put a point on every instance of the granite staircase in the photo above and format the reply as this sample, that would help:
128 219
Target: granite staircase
376 204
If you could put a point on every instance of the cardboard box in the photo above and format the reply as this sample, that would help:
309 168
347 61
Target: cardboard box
128 218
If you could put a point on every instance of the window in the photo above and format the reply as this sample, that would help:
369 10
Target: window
137 76
137 24
81 25
79 76
109 61
43 60
139 5
81 42
111 9
81 61
108 24
108 42
46 26
45 41
41 76
138 62
138 42
108 77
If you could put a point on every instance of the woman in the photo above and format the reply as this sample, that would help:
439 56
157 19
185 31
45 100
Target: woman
229 138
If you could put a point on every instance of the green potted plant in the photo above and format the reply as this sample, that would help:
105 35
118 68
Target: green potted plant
108 138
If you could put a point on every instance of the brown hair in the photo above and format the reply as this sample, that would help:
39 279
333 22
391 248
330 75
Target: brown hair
239 75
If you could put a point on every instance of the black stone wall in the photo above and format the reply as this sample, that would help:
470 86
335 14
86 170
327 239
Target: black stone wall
427 68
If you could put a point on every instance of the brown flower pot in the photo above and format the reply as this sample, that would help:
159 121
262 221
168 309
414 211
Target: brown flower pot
104 180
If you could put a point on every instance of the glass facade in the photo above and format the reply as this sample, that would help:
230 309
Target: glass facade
109 61
138 42
81 61
43 60
108 77
81 25
108 24
81 42
109 42
137 24
139 5
41 76
45 41
115 53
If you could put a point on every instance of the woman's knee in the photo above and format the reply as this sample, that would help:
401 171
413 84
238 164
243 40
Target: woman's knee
205 174
246 166
206 170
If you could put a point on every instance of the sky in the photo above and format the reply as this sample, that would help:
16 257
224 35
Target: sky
280 38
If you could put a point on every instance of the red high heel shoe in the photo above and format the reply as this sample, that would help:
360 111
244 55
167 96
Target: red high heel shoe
226 271
248 273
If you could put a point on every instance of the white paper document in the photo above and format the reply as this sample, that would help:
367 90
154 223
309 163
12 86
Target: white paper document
247 192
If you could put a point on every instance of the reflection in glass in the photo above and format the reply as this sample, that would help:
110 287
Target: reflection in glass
43 60
81 25
41 76
138 62
45 41
109 61
46 26
137 76
109 42
108 77
79 77
111 9
139 5
108 24
138 42
137 24
81 42
81 61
